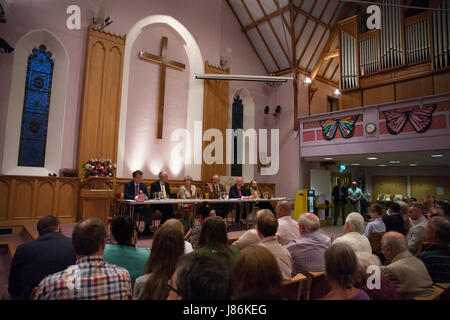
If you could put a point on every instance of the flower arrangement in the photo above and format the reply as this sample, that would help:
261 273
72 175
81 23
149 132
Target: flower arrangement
99 168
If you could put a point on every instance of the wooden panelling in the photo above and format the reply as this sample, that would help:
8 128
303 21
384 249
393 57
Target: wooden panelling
442 83
414 88
350 100
23 199
388 185
215 115
4 198
379 95
419 186
100 111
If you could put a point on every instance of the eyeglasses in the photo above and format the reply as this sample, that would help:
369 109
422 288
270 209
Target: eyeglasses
171 288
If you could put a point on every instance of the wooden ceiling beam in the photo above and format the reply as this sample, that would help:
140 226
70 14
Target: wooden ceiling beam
311 36
249 40
260 34
304 25
331 54
274 32
334 32
311 17
266 17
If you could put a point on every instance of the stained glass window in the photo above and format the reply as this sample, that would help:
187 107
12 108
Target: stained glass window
237 122
36 107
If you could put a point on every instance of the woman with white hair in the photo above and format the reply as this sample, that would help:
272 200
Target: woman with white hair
370 279
188 190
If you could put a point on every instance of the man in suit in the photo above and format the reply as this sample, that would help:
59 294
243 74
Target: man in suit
215 188
33 261
340 200
162 186
238 191
406 272
137 190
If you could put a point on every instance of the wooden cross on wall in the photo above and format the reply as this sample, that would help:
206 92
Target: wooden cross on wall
163 63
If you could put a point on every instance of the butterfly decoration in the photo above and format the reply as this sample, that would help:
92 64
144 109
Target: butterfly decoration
419 118
346 127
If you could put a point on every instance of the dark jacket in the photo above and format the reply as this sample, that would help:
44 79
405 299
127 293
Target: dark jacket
436 258
130 193
336 197
234 193
33 261
156 187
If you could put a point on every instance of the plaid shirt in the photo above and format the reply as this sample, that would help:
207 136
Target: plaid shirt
91 278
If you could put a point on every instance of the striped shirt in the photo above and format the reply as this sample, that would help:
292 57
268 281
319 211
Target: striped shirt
91 278
436 258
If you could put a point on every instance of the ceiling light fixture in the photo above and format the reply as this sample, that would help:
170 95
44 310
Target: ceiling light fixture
307 80
413 164
382 165
337 92
355 164
394 161
437 155
327 158
372 158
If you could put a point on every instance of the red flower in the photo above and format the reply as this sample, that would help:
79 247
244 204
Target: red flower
104 171
95 171
90 169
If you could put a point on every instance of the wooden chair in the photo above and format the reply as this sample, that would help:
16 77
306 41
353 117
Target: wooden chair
422 246
437 292
375 241
446 286
292 288
317 285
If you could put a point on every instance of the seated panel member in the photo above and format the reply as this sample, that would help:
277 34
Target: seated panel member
238 191
162 186
137 190
256 193
215 188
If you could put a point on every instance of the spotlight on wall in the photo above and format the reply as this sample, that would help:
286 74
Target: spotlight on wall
307 80
336 92
276 113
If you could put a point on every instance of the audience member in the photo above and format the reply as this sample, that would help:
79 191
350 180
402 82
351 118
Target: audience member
167 248
199 277
34 260
267 226
436 256
418 231
394 221
406 272
177 224
404 215
91 278
256 275
342 267
213 241
287 227
125 254
385 290
354 196
203 211
249 237
377 225
353 229
308 250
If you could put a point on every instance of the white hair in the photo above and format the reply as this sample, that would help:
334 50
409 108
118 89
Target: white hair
356 222
366 259
309 224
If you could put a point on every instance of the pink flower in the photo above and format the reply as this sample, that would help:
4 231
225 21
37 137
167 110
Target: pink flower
95 171
105 171
90 169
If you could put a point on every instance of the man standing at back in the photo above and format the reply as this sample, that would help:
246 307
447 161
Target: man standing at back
33 261
91 278
355 195
162 186
340 200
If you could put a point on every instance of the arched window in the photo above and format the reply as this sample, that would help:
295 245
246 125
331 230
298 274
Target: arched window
237 122
36 105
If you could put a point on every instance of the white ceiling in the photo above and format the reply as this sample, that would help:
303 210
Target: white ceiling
421 158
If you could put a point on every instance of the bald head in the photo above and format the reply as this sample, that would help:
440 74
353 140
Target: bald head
307 223
239 181
393 243
283 209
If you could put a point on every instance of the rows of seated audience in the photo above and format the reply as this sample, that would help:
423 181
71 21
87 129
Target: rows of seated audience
202 265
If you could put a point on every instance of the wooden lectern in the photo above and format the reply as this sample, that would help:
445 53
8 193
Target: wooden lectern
96 196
